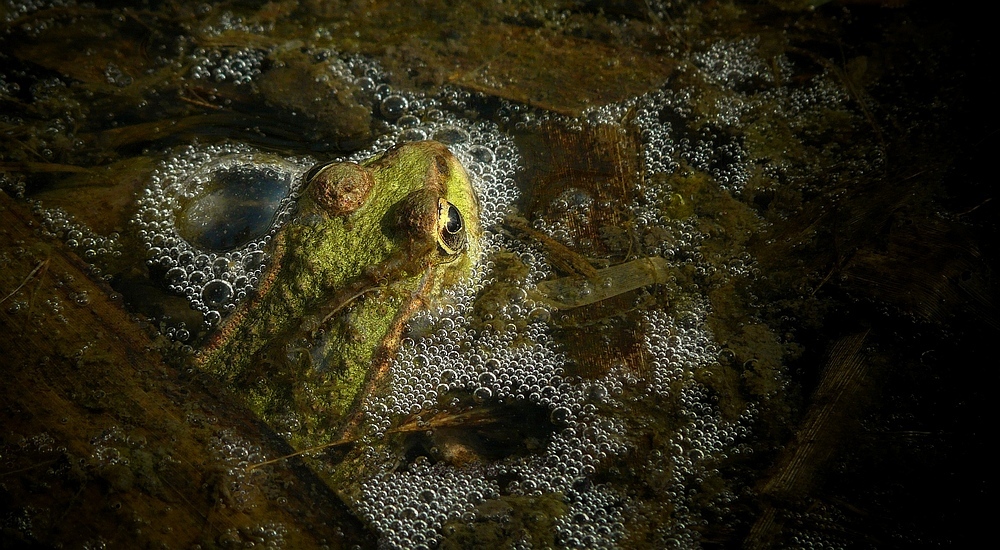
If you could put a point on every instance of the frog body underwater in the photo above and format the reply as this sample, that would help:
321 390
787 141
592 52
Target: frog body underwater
370 245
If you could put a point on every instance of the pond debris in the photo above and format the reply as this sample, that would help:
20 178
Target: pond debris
841 394
571 292
37 271
746 146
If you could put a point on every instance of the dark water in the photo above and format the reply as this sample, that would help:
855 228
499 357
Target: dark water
809 368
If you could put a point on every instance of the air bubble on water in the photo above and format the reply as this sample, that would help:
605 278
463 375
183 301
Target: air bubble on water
236 65
413 134
451 135
97 249
393 107
217 294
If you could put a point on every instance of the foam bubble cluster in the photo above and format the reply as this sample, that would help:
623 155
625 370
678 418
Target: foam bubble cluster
214 281
238 66
513 358
663 117
95 248
461 356
411 508
737 64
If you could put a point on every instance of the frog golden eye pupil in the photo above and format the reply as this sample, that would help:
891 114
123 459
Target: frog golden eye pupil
454 223
451 229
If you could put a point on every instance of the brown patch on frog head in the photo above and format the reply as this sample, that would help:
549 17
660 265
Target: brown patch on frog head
340 187
414 218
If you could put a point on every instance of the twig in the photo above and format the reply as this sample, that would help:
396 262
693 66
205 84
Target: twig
31 275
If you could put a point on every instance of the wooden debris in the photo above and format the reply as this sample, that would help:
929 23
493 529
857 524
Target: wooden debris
102 441
561 73
821 434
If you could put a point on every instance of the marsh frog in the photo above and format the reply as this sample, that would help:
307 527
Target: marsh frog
371 243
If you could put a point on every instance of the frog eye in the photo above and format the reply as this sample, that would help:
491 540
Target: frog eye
451 228
339 187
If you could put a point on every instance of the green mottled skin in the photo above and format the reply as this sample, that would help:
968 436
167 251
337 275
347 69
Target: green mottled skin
304 344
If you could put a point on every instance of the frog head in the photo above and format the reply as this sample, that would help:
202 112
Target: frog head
415 200
372 242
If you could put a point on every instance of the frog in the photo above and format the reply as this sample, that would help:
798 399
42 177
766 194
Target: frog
371 243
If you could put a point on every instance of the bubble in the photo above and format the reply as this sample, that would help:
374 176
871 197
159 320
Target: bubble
483 394
451 135
482 154
560 415
393 106
217 293
197 277
366 85
408 122
254 261
413 134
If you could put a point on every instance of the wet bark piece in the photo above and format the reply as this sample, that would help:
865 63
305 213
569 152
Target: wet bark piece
842 390
596 166
103 441
600 165
564 74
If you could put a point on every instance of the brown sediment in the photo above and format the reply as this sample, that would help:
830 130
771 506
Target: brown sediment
78 375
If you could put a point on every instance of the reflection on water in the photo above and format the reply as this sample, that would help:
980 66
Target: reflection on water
238 206
208 214
706 405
